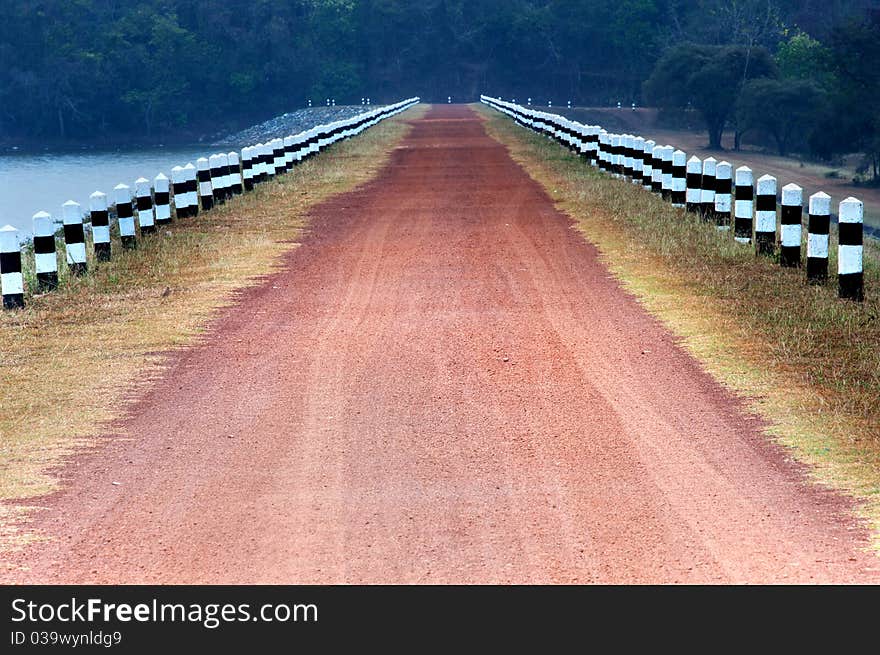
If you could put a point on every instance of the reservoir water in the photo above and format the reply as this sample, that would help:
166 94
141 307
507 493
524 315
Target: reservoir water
32 182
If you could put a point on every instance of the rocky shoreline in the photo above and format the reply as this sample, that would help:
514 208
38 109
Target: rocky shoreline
292 123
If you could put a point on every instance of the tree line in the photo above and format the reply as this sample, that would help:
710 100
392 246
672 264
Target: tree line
93 69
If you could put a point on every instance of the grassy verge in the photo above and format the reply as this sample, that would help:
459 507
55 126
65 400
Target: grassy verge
71 359
808 362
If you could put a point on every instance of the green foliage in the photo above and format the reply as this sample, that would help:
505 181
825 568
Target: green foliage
788 109
801 57
707 78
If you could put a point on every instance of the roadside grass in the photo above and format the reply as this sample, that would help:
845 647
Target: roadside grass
72 359
805 360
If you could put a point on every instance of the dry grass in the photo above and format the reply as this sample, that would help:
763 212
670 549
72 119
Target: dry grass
72 358
808 362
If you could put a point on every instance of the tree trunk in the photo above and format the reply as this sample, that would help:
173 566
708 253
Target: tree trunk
715 133
61 129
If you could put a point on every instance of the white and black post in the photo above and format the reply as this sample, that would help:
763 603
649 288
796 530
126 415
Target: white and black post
11 280
744 206
666 172
217 179
657 169
818 226
850 274
178 185
791 229
648 164
206 189
162 200
723 190
192 189
765 215
693 180
125 216
143 194
45 258
707 189
100 217
247 167
679 178
235 181
74 237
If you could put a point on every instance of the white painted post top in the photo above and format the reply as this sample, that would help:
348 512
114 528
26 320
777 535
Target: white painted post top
9 239
792 195
142 187
723 169
98 202
678 158
71 212
42 224
766 185
820 204
744 176
851 210
122 193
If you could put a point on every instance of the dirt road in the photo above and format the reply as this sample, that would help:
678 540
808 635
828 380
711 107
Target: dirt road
442 385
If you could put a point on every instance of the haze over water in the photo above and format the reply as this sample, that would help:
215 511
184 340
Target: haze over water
32 182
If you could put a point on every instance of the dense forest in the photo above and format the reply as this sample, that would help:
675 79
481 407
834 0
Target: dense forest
88 69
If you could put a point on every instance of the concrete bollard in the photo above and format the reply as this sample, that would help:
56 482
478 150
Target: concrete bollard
74 237
723 190
178 186
45 258
218 193
226 176
235 182
627 146
744 205
657 169
125 216
818 226
617 155
206 188
162 200
666 172
289 152
850 255
257 163
638 160
790 226
765 215
693 183
143 194
280 158
247 168
679 178
192 189
707 189
100 217
604 157
648 163
11 280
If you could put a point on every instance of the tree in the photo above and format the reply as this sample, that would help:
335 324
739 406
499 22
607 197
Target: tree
801 57
707 78
855 48
787 109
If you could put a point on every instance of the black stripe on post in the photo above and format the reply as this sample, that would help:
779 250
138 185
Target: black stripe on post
850 251
74 233
818 228
10 262
43 245
100 218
